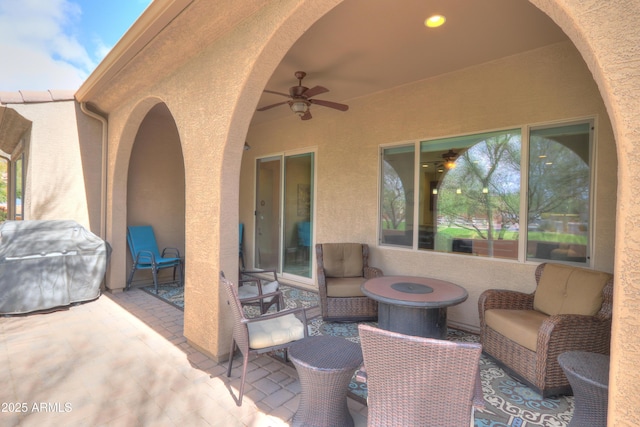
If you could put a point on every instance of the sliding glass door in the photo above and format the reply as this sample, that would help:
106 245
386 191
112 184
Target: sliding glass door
284 214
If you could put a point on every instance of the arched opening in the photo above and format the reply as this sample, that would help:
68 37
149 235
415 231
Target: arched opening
156 190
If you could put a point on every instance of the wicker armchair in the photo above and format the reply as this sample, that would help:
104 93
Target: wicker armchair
342 268
269 332
525 333
416 381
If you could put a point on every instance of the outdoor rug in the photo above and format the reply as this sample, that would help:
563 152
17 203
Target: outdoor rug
509 403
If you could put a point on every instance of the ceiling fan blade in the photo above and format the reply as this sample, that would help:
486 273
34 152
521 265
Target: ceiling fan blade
271 106
276 93
306 116
341 107
316 90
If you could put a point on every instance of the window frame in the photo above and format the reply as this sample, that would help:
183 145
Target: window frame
18 155
525 133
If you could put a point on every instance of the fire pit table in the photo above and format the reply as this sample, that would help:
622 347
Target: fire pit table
413 305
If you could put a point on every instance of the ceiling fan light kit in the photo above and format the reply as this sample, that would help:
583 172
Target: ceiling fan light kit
450 159
301 99
299 106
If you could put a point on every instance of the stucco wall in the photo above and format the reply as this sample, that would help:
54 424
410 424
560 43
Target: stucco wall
64 164
541 86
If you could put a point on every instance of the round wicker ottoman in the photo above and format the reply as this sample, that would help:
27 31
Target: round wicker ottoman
588 374
325 367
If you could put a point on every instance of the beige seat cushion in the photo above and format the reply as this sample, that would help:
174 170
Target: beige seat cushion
251 290
345 287
569 290
279 330
342 259
520 326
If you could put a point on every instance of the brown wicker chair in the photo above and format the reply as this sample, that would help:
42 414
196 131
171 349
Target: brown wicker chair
256 283
273 331
342 268
525 333
416 381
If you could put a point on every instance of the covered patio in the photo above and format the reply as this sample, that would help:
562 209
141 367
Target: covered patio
176 100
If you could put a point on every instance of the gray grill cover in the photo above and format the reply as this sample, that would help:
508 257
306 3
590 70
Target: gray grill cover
48 264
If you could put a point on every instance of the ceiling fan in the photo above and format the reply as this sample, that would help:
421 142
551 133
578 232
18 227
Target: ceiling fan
301 98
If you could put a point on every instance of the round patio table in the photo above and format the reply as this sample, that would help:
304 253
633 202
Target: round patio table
414 305
325 366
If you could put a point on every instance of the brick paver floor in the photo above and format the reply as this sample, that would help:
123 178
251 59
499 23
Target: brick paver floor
122 361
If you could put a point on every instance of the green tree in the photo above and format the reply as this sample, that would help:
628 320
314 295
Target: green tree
483 190
394 204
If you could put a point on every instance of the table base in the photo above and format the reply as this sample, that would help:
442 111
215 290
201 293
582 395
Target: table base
316 409
415 321
325 366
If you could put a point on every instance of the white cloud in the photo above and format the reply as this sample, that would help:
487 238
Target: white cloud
38 46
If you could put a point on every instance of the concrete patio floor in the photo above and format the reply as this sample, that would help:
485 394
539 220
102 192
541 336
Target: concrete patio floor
122 361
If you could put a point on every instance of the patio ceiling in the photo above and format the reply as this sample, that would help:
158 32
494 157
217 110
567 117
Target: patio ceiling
358 48
362 46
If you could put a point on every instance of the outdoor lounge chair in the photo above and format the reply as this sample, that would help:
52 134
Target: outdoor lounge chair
416 381
342 268
262 334
525 333
146 256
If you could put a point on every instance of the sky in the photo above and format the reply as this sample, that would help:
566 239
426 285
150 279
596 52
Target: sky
56 44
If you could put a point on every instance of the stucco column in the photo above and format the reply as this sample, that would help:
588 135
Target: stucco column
607 36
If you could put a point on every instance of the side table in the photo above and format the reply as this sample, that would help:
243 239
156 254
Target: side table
588 374
325 366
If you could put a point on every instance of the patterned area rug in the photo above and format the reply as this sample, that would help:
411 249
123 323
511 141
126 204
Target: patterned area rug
509 403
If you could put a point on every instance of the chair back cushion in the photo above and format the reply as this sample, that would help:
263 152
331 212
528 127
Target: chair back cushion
564 289
343 259
276 331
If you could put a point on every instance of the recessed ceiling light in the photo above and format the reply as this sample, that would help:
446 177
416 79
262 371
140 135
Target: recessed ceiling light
434 21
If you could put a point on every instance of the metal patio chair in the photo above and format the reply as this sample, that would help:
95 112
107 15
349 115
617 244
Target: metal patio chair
146 256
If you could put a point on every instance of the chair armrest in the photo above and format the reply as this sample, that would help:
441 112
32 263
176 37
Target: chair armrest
371 272
255 273
502 298
505 299
173 251
564 332
143 256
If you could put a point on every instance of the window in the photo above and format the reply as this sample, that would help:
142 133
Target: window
396 200
559 193
470 192
18 185
11 186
